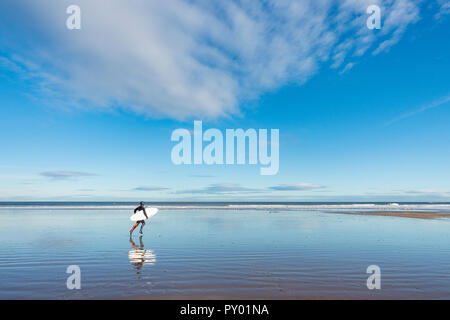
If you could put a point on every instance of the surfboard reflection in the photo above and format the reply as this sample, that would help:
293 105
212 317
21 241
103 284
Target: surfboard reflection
139 256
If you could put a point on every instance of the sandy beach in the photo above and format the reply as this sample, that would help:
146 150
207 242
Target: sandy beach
223 254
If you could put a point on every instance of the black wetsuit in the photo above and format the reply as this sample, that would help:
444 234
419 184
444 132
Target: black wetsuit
141 222
143 209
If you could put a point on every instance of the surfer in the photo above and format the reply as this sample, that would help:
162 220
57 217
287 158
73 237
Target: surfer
142 222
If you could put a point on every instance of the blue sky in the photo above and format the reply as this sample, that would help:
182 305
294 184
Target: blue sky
88 114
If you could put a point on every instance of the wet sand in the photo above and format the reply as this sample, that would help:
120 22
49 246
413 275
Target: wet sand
403 214
222 254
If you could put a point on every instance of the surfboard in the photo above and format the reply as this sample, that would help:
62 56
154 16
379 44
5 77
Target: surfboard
139 215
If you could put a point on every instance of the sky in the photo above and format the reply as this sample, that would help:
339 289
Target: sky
87 115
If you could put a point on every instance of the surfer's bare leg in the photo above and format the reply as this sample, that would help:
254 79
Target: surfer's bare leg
142 225
134 227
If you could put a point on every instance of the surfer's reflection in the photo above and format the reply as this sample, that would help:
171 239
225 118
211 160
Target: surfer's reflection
139 256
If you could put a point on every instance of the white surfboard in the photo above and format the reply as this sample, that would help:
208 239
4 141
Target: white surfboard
139 215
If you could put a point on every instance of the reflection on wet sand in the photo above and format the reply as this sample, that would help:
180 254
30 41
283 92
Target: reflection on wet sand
234 254
139 256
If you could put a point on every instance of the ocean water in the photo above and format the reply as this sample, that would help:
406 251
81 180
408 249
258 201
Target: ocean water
222 250
235 205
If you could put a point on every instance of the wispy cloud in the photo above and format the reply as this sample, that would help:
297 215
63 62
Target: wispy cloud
201 176
61 175
444 9
182 59
408 195
220 188
150 188
423 108
396 18
296 187
237 189
424 192
348 67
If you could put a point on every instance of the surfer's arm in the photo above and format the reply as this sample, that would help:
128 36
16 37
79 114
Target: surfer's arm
136 209
145 213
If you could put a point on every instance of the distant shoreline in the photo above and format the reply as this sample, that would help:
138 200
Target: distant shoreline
402 214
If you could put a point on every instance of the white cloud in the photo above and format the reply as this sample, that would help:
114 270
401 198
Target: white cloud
443 194
231 188
444 9
296 187
220 188
347 67
183 59
396 19
149 188
65 174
